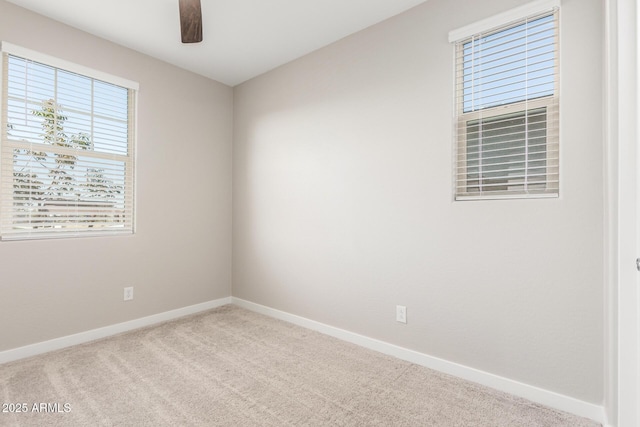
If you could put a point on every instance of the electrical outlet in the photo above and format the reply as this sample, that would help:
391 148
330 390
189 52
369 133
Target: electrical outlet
128 293
401 313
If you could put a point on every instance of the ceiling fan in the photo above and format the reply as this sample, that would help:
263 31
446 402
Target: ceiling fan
190 21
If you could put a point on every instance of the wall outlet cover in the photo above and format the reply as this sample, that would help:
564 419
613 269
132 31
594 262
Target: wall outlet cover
401 313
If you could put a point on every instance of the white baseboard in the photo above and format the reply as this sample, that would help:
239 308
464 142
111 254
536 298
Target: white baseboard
94 334
535 394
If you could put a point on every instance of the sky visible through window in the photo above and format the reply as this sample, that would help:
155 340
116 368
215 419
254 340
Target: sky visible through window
92 107
509 66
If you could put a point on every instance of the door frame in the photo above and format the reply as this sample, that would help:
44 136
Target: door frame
622 367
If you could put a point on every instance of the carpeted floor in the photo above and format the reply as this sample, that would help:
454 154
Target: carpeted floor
233 367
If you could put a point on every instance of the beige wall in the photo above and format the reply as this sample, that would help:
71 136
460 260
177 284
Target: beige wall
181 253
343 204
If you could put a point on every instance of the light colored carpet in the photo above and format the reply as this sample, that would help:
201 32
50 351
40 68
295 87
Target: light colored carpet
233 367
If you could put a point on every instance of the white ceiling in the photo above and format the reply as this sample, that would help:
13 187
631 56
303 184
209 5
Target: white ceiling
242 38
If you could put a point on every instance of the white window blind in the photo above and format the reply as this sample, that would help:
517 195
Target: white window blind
67 153
507 111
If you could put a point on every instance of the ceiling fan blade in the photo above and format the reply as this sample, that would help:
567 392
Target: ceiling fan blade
191 21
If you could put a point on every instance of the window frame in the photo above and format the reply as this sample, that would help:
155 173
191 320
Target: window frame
7 146
490 26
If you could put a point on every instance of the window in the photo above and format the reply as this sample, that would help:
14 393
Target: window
506 121
67 147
